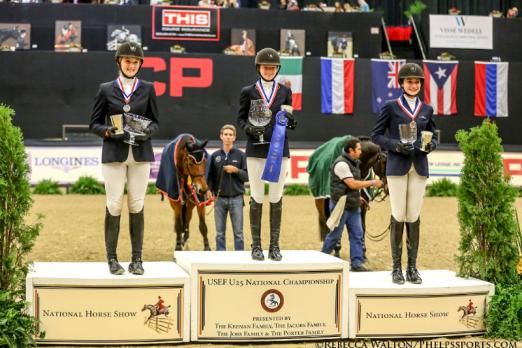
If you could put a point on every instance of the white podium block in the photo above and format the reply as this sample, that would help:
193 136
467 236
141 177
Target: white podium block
82 303
443 305
234 298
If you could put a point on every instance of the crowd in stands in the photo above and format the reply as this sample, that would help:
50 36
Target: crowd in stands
337 6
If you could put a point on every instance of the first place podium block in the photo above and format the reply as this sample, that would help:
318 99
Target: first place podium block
234 298
82 303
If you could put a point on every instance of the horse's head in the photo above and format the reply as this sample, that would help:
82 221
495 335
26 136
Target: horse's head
194 164
379 168
372 157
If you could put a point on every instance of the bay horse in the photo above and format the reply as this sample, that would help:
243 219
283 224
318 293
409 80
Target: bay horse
182 178
372 161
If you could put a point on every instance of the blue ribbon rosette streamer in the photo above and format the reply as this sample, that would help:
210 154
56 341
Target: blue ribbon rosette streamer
275 152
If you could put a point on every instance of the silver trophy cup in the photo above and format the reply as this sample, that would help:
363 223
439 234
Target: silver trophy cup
135 125
259 115
408 132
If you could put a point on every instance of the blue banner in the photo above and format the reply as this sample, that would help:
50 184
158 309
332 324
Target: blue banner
385 81
275 152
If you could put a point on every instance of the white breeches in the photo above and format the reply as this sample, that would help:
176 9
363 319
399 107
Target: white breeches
115 174
406 195
255 167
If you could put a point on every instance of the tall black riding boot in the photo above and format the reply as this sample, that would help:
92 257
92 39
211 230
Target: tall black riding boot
276 209
136 226
396 230
256 210
413 234
112 231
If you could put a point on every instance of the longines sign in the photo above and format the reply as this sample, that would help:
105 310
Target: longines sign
115 315
433 315
268 306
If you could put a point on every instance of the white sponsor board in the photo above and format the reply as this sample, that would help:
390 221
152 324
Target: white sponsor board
67 164
474 32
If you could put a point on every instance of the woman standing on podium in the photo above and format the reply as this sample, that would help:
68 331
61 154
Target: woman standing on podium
126 156
267 149
407 165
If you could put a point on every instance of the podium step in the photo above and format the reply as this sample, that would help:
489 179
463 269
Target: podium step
82 303
443 305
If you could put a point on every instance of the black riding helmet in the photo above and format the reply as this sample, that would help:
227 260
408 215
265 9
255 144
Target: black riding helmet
411 70
129 49
268 56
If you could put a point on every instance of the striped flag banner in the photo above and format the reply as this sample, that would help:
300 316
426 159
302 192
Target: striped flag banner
440 86
337 88
491 89
291 75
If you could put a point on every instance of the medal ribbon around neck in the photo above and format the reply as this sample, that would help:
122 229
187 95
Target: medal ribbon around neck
268 100
127 97
406 107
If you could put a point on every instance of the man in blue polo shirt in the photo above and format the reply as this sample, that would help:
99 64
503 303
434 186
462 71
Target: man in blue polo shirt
226 179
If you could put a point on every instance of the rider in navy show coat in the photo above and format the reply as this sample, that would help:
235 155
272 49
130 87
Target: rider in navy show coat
407 166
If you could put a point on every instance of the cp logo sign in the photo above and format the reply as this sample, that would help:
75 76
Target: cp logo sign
177 77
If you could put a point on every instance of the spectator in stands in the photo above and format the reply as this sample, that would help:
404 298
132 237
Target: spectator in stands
229 3
282 4
123 163
338 7
264 5
266 161
347 7
406 167
292 5
496 14
345 189
226 180
363 6
512 12
313 7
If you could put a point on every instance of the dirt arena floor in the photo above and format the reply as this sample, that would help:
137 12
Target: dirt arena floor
73 231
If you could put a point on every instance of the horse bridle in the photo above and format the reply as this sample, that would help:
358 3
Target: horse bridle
187 168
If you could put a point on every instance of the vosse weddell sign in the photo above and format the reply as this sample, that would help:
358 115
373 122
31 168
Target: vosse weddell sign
472 32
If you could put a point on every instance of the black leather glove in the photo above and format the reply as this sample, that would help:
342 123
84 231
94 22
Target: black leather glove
292 122
254 131
144 136
404 148
111 132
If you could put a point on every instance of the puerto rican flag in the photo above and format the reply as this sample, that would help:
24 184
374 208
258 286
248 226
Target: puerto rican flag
491 89
337 85
440 86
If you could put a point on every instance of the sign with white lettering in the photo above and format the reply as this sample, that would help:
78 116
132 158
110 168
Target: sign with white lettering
433 315
67 164
269 305
473 32
113 315
185 23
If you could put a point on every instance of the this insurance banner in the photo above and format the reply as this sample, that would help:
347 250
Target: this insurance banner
185 23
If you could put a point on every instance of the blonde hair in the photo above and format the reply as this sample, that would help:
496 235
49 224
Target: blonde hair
228 126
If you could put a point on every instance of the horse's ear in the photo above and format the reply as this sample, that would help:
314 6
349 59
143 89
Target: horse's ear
204 143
